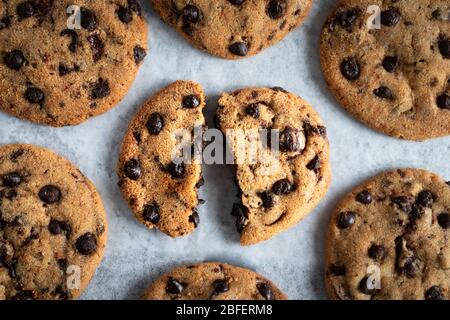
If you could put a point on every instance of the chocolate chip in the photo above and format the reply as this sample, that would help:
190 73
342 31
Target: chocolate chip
139 54
417 211
174 286
337 270
364 197
155 123
191 101
364 286
350 69
444 47
241 214
86 244
443 101
412 266
151 213
279 89
97 46
177 170
236 2
12 180
239 48
265 290
434 293
314 164
314 130
74 38
55 227
132 169
390 63
404 203
23 295
347 18
14 59
384 93
125 14
63 264
63 70
377 252
346 219
252 110
25 10
282 187
135 6
191 14
2 226
34 95
195 219
220 286
289 140
50 194
444 220
88 19
425 199
100 89
390 17
5 22
268 200
276 8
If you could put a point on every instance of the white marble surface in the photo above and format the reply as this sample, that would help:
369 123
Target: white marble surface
293 259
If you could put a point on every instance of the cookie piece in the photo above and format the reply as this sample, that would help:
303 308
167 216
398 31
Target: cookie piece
233 29
58 73
162 190
212 281
394 78
52 225
278 188
392 230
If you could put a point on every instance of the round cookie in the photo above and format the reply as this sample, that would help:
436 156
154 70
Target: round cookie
159 189
58 73
277 189
212 281
52 226
394 78
389 239
233 29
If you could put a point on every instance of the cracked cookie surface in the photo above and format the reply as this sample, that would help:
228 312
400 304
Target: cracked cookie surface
233 29
396 225
52 225
279 187
395 78
160 190
212 281
51 74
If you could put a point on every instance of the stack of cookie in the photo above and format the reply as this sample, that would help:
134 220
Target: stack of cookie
66 61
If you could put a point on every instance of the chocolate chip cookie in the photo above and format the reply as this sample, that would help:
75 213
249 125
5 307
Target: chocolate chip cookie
52 225
389 239
159 184
59 66
290 173
233 29
213 281
388 63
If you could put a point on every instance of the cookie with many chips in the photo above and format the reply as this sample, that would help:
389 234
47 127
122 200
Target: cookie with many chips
389 239
287 173
160 187
52 225
212 281
233 29
394 76
59 66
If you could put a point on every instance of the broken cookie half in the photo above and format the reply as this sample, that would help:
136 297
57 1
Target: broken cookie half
281 159
158 178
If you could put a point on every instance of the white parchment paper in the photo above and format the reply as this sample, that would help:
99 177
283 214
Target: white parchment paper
293 259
